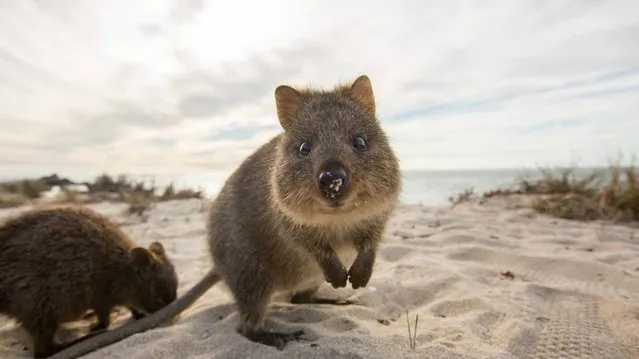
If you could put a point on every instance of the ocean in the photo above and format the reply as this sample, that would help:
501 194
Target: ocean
432 188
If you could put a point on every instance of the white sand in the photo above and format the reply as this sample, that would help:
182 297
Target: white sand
574 293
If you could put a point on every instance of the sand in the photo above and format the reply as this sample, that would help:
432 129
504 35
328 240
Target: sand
487 281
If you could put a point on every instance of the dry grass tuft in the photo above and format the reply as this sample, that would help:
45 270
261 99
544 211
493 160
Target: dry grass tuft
187 193
138 203
10 200
610 194
412 335
21 192
139 195
465 196
28 189
616 199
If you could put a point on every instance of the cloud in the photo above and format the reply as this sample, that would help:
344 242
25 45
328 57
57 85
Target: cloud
178 86
206 93
184 9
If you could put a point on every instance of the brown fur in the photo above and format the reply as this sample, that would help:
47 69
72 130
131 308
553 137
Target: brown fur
270 230
57 262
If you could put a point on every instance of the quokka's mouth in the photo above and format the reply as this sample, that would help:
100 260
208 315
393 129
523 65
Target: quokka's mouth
336 204
333 202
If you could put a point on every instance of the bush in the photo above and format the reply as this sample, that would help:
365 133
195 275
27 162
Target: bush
10 200
138 195
603 194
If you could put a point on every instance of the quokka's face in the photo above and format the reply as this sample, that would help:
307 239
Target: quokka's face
157 278
334 158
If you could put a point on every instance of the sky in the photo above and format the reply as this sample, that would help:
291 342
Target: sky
184 86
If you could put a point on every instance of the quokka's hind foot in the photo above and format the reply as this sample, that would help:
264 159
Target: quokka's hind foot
310 297
277 340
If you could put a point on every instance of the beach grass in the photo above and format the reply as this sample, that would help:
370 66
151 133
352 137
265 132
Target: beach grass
610 193
139 195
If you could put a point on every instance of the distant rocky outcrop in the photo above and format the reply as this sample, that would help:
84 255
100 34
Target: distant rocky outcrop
55 180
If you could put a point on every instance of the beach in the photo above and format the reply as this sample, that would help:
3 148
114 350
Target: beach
487 279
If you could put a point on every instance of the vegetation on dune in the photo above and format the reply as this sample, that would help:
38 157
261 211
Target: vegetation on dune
610 194
602 194
139 195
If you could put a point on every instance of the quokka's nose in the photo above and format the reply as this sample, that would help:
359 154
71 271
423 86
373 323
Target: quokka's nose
333 181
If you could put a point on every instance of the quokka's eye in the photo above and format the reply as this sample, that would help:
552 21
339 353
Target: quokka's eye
359 143
305 148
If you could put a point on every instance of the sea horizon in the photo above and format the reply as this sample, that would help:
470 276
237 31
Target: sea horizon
430 187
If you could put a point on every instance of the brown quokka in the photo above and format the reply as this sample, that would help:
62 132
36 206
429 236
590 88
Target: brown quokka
287 217
57 262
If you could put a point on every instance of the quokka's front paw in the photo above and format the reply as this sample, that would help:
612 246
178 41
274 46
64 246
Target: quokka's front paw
360 273
336 275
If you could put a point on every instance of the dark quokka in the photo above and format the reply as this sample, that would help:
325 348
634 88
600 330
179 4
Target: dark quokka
57 262
296 207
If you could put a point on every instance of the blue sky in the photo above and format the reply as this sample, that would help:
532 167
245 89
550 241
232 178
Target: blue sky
168 86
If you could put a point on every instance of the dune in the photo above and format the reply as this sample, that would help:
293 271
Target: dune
487 280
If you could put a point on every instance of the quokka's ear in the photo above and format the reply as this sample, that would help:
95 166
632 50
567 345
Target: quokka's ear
362 91
157 248
140 257
288 102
